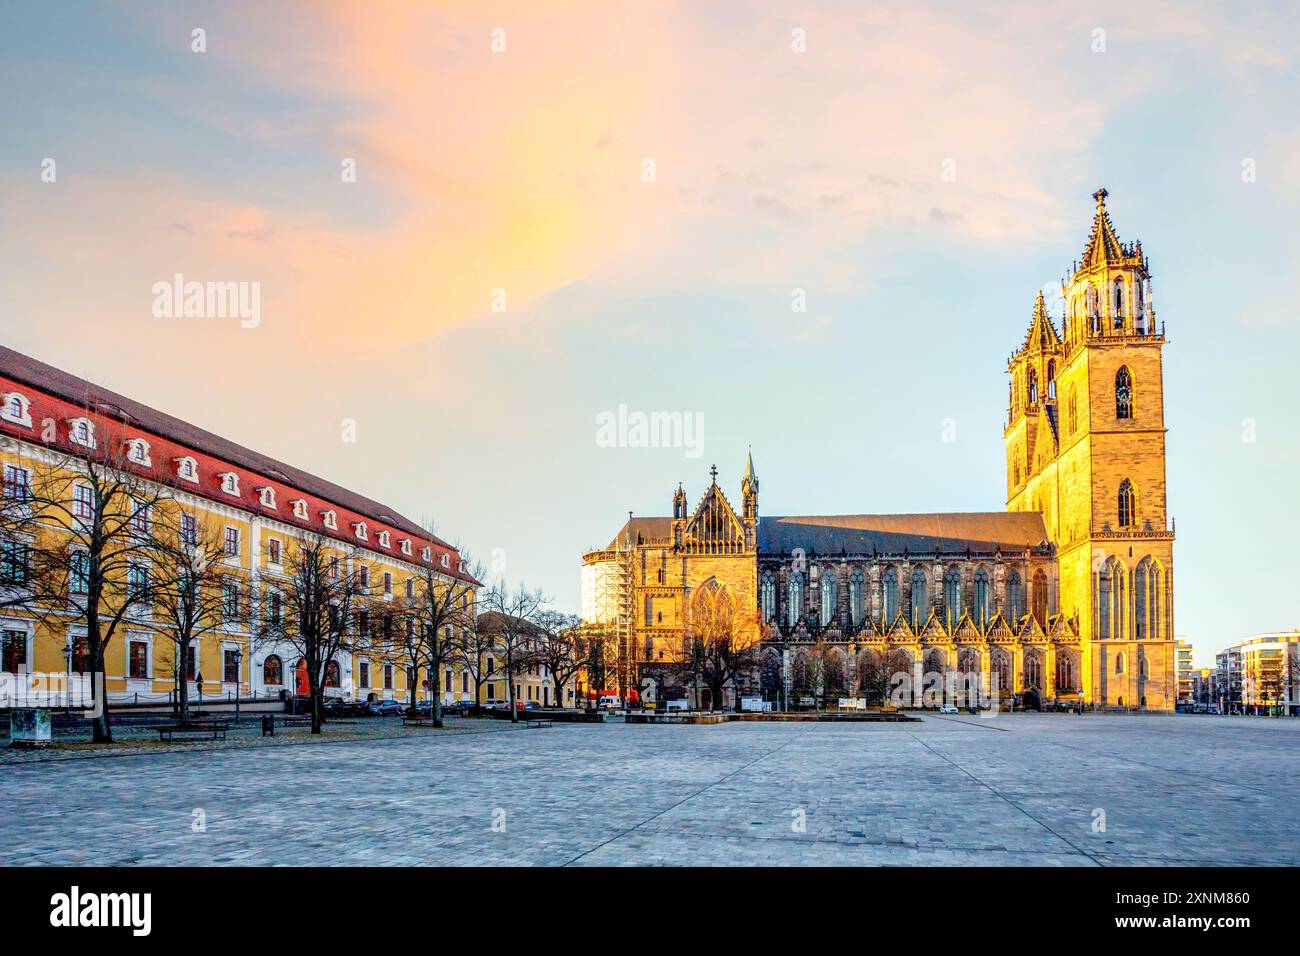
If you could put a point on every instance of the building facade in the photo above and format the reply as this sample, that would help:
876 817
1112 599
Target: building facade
260 509
1259 675
1067 593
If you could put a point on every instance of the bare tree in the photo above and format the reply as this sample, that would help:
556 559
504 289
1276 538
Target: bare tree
510 622
438 615
472 647
559 648
92 558
599 654
719 648
324 605
189 589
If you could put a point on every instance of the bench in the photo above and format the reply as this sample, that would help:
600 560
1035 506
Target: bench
210 729
539 722
418 720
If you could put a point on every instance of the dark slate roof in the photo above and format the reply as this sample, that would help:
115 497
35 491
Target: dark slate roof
70 388
892 534
643 529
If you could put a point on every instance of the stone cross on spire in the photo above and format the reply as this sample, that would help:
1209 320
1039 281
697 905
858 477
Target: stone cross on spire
1100 195
713 473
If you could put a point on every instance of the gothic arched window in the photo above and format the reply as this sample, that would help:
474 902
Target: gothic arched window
795 607
952 595
1127 504
1140 601
1123 393
1119 663
1015 597
889 595
1033 386
830 596
981 609
1040 596
1105 582
332 674
1119 303
767 597
856 594
1051 378
920 599
272 671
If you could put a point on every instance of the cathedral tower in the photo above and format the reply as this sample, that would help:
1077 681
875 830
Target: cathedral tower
1086 446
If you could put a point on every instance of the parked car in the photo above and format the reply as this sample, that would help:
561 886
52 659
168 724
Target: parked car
948 709
457 708
387 708
424 706
532 705
343 707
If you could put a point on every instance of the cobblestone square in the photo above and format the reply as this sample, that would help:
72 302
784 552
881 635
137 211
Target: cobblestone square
1014 790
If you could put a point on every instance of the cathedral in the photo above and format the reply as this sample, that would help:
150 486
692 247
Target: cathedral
1067 594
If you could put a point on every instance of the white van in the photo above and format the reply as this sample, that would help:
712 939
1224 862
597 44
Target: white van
611 702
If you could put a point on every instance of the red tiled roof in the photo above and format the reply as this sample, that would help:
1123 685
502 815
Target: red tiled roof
151 424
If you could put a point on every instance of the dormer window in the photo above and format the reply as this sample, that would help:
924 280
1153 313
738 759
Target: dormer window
359 529
300 508
267 494
385 539
426 553
229 482
81 431
187 469
406 546
331 520
137 452
17 409
445 561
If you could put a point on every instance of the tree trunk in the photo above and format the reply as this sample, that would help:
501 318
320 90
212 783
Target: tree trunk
183 693
435 688
510 693
317 711
101 727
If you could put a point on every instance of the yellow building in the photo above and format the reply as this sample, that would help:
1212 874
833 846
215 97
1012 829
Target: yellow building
258 509
1068 593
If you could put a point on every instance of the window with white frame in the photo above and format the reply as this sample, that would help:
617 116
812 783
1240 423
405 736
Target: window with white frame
78 572
406 546
331 520
81 431
139 517
229 482
385 540
15 563
363 575
17 410
300 508
388 584
187 469
13 651
410 587
360 530
18 483
445 561
83 502
230 599
232 542
189 529
426 554
137 658
137 452
273 550
267 494
137 581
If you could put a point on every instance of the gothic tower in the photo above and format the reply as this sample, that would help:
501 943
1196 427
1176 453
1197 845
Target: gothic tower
749 502
1086 446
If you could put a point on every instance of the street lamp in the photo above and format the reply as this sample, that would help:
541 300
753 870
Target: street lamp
239 675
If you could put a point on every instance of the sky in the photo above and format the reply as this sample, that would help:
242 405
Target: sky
478 229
